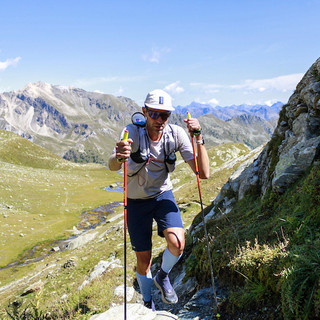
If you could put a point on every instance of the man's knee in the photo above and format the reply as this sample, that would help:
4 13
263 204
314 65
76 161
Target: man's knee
176 242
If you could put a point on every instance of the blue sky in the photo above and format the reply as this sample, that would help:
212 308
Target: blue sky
219 52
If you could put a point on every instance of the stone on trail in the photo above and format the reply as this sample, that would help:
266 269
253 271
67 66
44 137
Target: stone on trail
119 291
134 312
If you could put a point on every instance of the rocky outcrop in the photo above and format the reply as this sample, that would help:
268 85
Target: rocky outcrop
300 127
294 146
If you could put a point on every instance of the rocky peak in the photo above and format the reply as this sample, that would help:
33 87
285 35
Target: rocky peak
36 89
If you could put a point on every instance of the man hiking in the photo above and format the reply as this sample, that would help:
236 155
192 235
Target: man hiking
150 154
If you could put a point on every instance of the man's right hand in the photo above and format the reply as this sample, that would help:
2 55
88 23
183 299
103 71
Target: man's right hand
123 150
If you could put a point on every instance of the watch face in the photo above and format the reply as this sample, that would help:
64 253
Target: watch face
200 141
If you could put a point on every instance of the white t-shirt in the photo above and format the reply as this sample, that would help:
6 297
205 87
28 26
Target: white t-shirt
147 180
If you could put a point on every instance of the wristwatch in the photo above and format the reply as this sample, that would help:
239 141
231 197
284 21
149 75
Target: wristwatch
201 141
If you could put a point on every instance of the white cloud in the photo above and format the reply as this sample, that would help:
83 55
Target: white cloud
9 62
174 88
282 83
270 102
208 88
119 92
213 101
155 55
267 90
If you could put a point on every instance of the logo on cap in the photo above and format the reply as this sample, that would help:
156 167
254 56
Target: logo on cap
160 100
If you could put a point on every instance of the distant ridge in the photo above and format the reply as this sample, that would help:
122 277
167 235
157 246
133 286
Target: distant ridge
226 113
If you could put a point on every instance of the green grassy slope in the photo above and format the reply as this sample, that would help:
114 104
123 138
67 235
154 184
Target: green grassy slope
42 195
267 251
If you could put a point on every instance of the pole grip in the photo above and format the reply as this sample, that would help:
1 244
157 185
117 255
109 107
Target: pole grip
188 115
125 135
124 138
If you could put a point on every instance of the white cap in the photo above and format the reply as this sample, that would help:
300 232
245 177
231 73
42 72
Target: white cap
159 99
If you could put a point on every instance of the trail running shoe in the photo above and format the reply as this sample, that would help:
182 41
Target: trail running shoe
162 282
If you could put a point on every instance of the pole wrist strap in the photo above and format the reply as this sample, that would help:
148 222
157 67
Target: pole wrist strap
196 132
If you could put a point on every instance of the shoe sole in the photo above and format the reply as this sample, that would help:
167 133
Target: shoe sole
162 293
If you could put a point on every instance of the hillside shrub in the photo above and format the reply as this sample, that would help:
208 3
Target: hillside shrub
300 289
259 266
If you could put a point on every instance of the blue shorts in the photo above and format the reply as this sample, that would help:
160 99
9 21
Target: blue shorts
140 215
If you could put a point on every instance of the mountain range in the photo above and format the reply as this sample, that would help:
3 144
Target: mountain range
82 126
226 113
66 120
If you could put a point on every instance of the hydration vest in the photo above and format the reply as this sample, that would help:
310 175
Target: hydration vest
142 155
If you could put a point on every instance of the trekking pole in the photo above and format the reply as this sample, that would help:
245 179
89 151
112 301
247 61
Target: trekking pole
203 219
125 138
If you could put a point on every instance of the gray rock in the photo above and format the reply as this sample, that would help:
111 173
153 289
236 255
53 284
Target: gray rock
294 163
134 312
100 268
119 291
181 287
201 303
81 240
75 231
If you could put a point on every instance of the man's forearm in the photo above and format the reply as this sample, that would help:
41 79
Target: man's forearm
114 165
203 160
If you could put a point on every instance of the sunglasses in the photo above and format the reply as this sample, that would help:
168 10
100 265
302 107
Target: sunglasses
156 114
